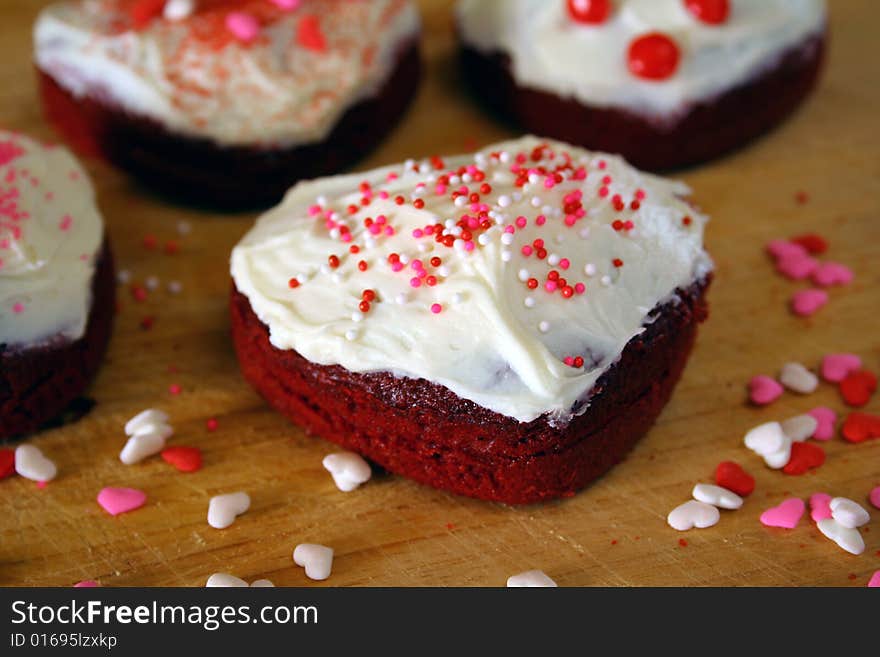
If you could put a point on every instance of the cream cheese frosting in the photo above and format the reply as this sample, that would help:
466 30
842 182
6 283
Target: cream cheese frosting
255 72
50 234
514 277
551 52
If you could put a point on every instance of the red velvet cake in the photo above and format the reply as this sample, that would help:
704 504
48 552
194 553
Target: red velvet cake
56 283
504 325
227 102
665 83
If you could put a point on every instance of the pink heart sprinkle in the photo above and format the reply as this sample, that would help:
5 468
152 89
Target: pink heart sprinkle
785 249
832 273
820 506
786 515
874 582
796 267
286 5
86 584
121 500
244 27
763 390
836 367
874 497
807 302
826 419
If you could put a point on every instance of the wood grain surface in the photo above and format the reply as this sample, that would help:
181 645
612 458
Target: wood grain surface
393 532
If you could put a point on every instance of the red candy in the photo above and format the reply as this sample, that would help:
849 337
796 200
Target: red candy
589 11
713 12
804 456
185 459
857 388
653 56
7 463
731 476
815 244
309 34
860 427
144 11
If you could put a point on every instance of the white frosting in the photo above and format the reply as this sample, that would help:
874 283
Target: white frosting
495 342
50 233
273 92
551 52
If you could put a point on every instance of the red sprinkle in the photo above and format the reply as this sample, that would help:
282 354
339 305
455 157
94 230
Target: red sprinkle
147 323
682 542
293 283
211 424
713 12
653 56
815 244
804 456
617 262
185 459
589 11
171 247
731 476
333 261
858 387
310 35
860 427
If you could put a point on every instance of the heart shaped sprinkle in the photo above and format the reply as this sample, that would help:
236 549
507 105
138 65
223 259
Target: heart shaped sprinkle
798 378
796 267
316 559
763 390
874 582
804 456
31 464
225 580
770 442
785 249
717 496
787 515
836 367
7 463
262 584
848 513
859 427
808 302
142 446
825 420
145 421
874 497
693 514
820 506
185 459
530 579
223 509
121 500
800 427
815 244
848 539
243 26
832 273
858 387
86 584
731 476
349 470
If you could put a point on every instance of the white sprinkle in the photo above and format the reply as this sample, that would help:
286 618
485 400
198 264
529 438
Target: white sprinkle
174 287
460 201
553 259
316 559
449 223
517 197
351 335
325 269
503 201
123 277
529 302
584 232
225 580
523 275
357 317
424 247
507 239
401 298
224 509
605 280
457 298
693 514
321 200
404 259
349 470
369 242
32 464
506 256
534 178
183 228
590 269
544 326
717 496
848 513
504 157
152 283
456 231
483 239
547 209
454 180
530 579
336 277
535 202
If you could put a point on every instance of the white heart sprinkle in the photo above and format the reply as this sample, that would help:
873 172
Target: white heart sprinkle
798 378
30 463
717 496
139 422
530 579
316 559
141 446
847 538
349 470
848 513
177 10
800 427
224 580
261 584
693 514
769 441
223 509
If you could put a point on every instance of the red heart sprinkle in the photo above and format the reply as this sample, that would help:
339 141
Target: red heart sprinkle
7 463
309 34
731 476
859 427
185 459
804 456
857 388
815 244
144 11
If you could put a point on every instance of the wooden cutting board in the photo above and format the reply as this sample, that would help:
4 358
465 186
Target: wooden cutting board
393 532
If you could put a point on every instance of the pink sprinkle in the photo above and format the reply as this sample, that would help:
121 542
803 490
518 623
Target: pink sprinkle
832 273
417 233
874 497
527 250
243 27
603 192
66 222
640 194
874 581
550 286
18 307
540 220
570 220
469 245
121 500
286 5
787 515
820 506
836 367
509 229
314 209
396 266
568 360
345 237
415 281
796 267
565 263
764 390
436 308
389 231
417 264
86 584
580 288
521 222
784 248
175 389
807 302
211 424
826 419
